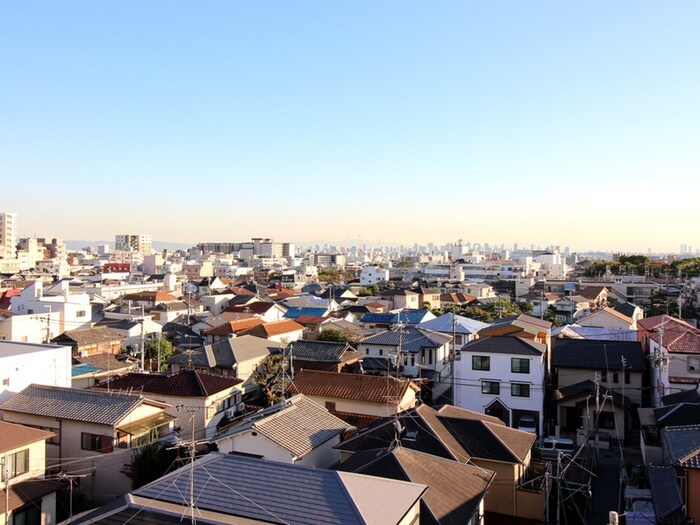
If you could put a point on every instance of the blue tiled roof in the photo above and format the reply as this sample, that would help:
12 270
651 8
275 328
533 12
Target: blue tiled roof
297 311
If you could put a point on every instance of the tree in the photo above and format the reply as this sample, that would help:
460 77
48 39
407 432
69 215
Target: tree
550 314
152 462
337 336
156 347
268 376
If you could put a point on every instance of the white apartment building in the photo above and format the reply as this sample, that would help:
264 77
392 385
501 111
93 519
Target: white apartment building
373 275
65 310
22 364
8 235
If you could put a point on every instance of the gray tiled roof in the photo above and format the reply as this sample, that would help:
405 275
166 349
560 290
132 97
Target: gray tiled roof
683 445
297 424
505 345
412 339
462 325
598 355
326 351
278 492
665 493
71 403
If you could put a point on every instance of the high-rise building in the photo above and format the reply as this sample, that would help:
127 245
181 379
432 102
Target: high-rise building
8 235
139 243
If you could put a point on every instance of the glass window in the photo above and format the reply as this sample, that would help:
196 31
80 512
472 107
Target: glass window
17 463
490 387
520 390
96 442
481 362
693 363
519 365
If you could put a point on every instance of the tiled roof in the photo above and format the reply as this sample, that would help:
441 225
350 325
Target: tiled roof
26 492
325 351
227 353
665 493
627 308
678 414
273 492
684 396
311 320
462 325
257 307
298 425
598 355
611 312
455 490
523 319
272 329
91 336
104 362
358 387
296 311
404 316
233 327
683 445
186 383
591 292
91 406
15 436
505 345
411 339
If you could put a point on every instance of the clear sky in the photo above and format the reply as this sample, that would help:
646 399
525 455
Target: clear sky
572 123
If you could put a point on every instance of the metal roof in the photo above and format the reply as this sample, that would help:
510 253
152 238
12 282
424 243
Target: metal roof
411 339
462 325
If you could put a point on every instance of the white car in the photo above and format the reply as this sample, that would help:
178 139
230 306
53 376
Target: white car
528 424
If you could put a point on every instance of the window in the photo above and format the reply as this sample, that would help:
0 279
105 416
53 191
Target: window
17 463
96 442
616 377
29 515
627 378
330 405
481 362
490 387
693 363
6 381
520 390
519 365
381 352
80 313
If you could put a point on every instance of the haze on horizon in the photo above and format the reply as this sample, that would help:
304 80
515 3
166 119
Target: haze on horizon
530 122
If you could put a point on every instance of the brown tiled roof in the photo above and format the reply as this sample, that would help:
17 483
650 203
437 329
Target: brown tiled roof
274 328
235 316
92 336
187 383
257 307
25 492
591 292
311 319
358 387
675 335
15 436
238 290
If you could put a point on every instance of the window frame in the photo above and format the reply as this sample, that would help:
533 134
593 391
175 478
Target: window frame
490 390
482 358
520 360
518 386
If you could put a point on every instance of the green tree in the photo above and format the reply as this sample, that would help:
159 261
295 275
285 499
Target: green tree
550 314
268 376
156 347
337 336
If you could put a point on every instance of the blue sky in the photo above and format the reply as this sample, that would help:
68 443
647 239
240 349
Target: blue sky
530 122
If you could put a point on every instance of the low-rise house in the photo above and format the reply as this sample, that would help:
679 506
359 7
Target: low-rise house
350 396
386 320
457 299
522 325
518 490
616 366
97 430
166 312
230 488
502 376
147 300
402 299
208 397
92 341
87 371
22 364
26 497
296 430
455 492
462 328
323 355
229 329
286 331
423 354
674 349
65 308
267 311
236 358
608 318
295 312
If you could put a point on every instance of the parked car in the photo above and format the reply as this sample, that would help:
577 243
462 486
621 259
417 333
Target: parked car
552 446
528 424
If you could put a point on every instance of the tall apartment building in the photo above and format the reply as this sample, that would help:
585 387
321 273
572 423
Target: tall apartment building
139 243
8 235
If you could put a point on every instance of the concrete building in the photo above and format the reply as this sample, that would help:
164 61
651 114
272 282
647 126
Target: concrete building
8 235
138 243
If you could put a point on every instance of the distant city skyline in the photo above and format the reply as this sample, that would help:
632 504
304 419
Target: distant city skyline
527 122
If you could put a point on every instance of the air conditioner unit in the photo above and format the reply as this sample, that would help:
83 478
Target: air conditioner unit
240 407
230 412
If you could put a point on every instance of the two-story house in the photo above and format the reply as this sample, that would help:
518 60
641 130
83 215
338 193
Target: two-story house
26 497
462 328
95 432
503 377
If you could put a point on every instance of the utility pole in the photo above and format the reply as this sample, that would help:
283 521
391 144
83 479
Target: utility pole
597 412
6 478
143 353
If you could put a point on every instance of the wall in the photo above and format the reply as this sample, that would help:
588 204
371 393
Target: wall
22 364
